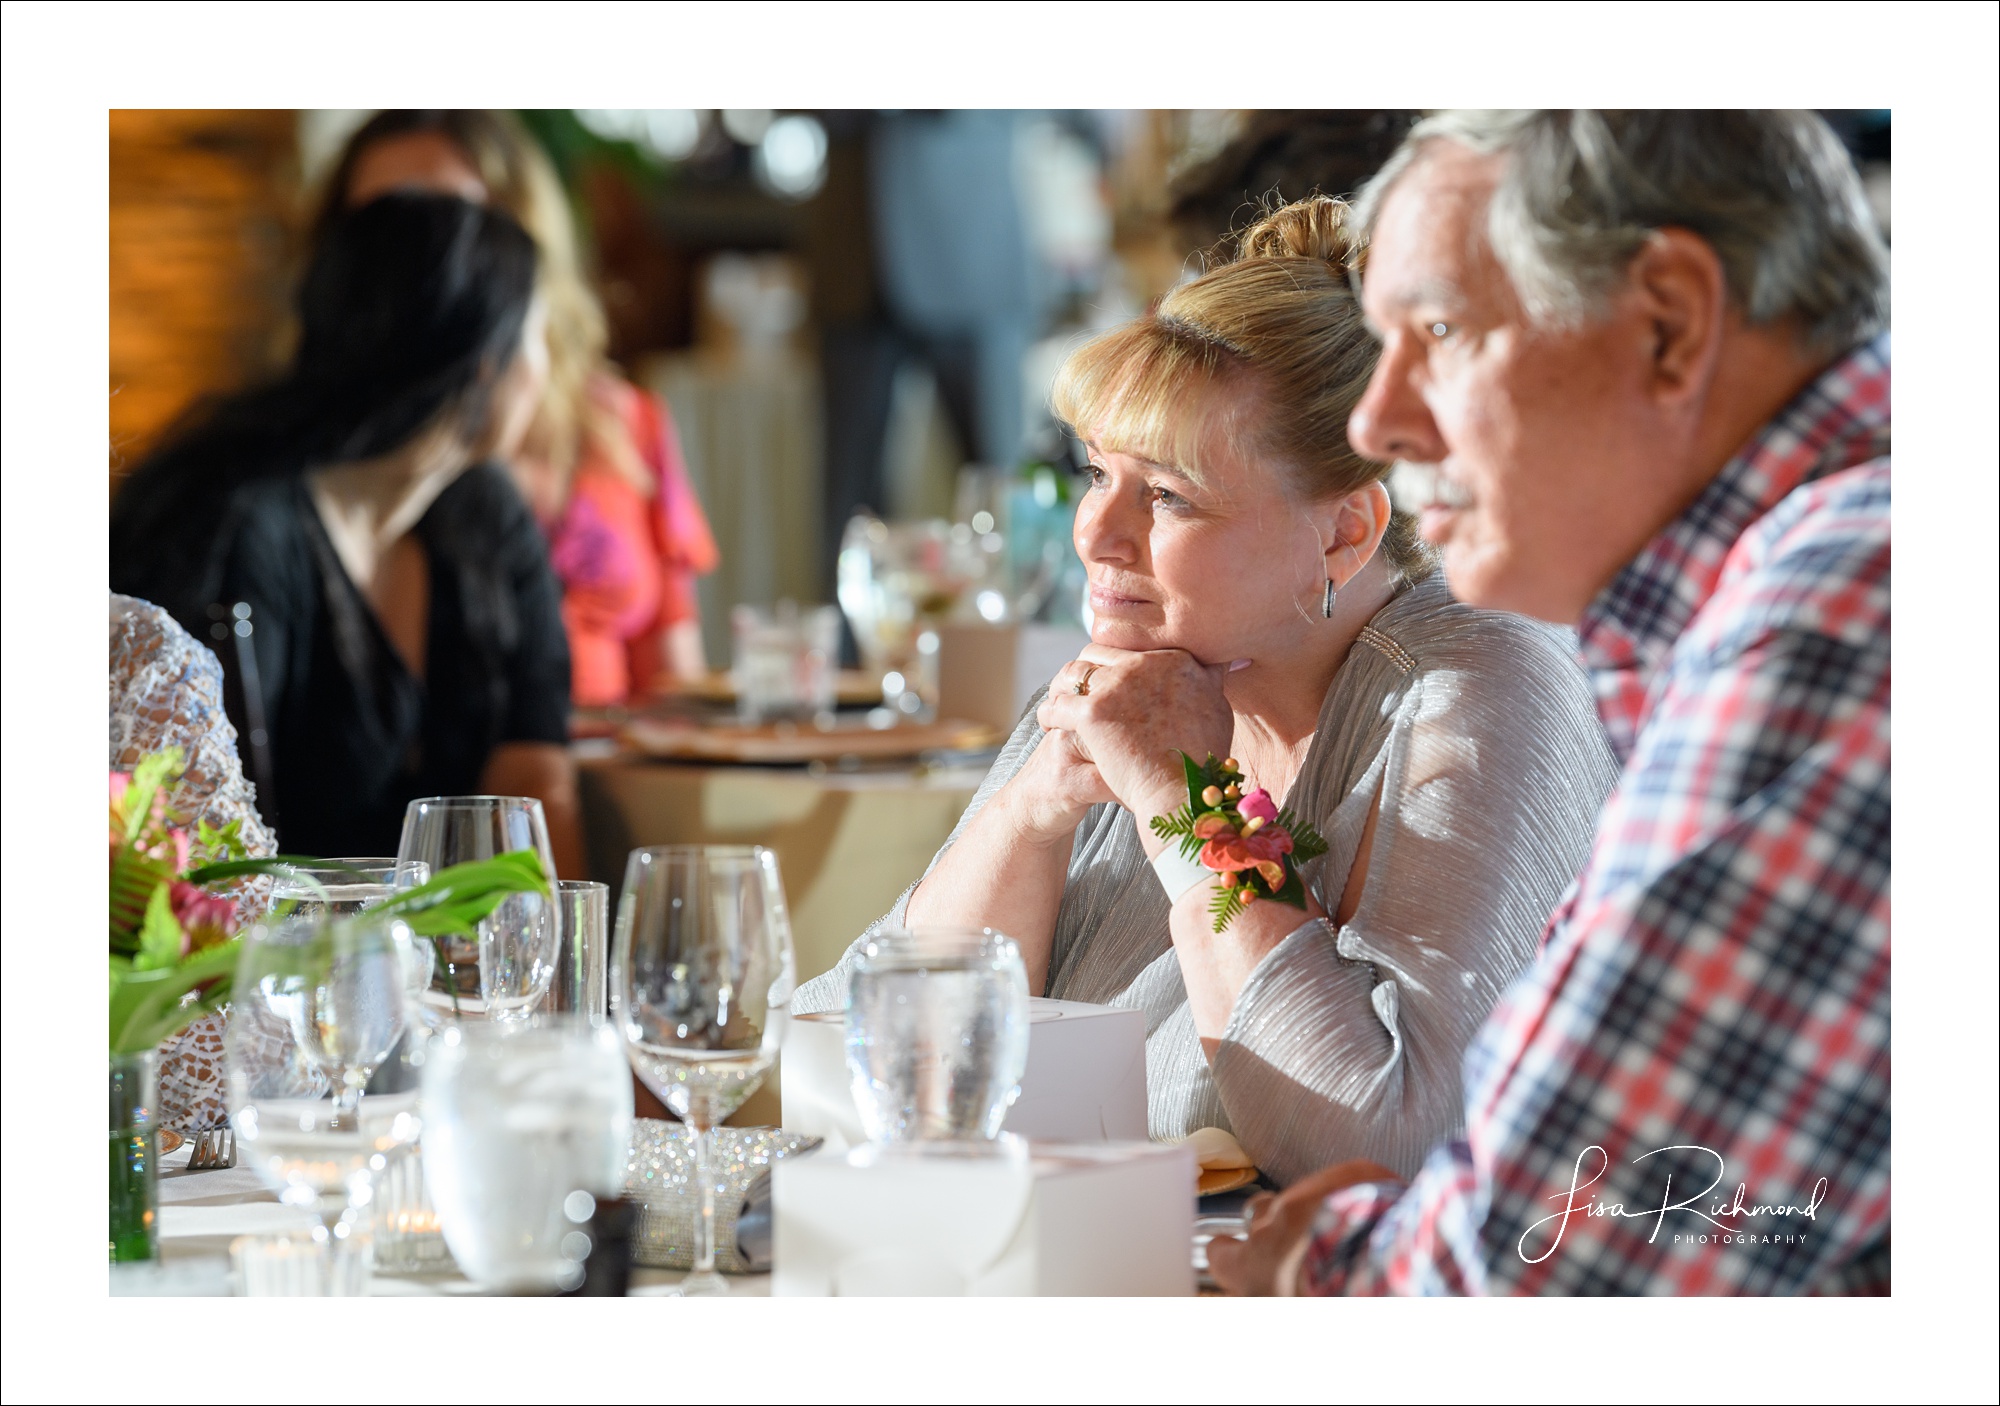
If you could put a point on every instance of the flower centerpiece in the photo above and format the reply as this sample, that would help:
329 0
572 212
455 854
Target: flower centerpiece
1242 835
174 953
173 942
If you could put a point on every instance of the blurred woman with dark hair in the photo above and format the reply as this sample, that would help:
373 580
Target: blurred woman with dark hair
600 464
408 636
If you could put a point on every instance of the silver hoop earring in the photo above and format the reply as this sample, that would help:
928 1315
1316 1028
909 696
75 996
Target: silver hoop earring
1327 608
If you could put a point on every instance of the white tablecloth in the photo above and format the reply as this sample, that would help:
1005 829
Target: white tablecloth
201 1212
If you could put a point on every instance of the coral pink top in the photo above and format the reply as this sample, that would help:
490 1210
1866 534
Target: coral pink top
628 561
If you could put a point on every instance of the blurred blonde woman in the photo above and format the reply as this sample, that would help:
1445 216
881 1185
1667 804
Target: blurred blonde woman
1254 597
601 467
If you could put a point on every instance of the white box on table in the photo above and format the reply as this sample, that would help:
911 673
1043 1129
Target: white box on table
1052 1219
1085 1080
987 673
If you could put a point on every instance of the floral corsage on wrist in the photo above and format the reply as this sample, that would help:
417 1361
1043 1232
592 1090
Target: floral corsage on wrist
1241 835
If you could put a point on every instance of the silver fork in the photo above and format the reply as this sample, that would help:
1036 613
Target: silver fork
213 1150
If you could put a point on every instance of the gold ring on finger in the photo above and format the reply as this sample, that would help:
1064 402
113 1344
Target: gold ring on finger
1082 685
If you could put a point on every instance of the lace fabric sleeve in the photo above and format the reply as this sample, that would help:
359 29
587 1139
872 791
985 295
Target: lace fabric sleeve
166 691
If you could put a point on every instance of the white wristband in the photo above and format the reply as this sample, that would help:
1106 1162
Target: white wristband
1178 873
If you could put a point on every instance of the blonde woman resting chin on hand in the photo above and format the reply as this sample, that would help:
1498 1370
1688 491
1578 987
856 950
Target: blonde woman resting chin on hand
1255 597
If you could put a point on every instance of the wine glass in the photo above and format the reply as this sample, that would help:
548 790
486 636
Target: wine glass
506 972
406 1235
525 1127
338 989
895 582
702 976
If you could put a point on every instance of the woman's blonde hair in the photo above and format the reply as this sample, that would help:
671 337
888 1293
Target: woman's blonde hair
1279 320
521 180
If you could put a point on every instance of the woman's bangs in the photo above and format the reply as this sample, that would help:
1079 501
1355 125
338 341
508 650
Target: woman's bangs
1137 391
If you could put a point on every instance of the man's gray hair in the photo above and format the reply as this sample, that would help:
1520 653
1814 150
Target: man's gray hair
1773 193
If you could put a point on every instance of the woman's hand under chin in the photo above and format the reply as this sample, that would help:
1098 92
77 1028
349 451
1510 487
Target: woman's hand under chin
1138 713
1050 795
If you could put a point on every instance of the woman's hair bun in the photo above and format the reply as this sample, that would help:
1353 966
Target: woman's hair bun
1313 228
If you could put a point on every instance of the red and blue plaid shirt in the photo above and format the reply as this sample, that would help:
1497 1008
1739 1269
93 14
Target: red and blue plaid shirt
1688 1092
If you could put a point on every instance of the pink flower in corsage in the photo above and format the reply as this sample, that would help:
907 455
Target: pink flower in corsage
1242 835
1258 805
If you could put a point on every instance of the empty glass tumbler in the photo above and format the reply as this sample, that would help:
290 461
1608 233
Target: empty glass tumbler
937 1033
784 660
583 952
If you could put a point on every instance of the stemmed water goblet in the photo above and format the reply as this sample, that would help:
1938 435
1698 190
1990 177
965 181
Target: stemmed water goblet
338 888
702 978
503 973
334 992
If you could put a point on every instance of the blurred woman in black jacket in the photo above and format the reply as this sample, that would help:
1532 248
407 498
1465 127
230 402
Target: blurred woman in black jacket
407 637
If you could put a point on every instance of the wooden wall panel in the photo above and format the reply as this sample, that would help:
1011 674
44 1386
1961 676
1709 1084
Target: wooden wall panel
202 205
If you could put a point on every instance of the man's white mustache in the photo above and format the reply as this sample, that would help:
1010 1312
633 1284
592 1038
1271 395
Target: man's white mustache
1418 486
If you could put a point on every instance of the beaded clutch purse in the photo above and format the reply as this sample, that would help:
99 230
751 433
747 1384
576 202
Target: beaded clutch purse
659 1177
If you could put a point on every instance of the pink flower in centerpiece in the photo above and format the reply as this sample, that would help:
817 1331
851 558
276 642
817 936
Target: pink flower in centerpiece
1257 805
205 918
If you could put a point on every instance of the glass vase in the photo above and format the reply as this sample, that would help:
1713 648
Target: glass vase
135 1157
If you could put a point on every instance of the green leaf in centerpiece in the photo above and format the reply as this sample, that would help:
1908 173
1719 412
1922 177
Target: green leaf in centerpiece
160 936
456 899
277 864
148 777
214 846
134 879
146 1005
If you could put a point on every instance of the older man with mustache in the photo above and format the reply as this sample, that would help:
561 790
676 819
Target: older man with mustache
1644 358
